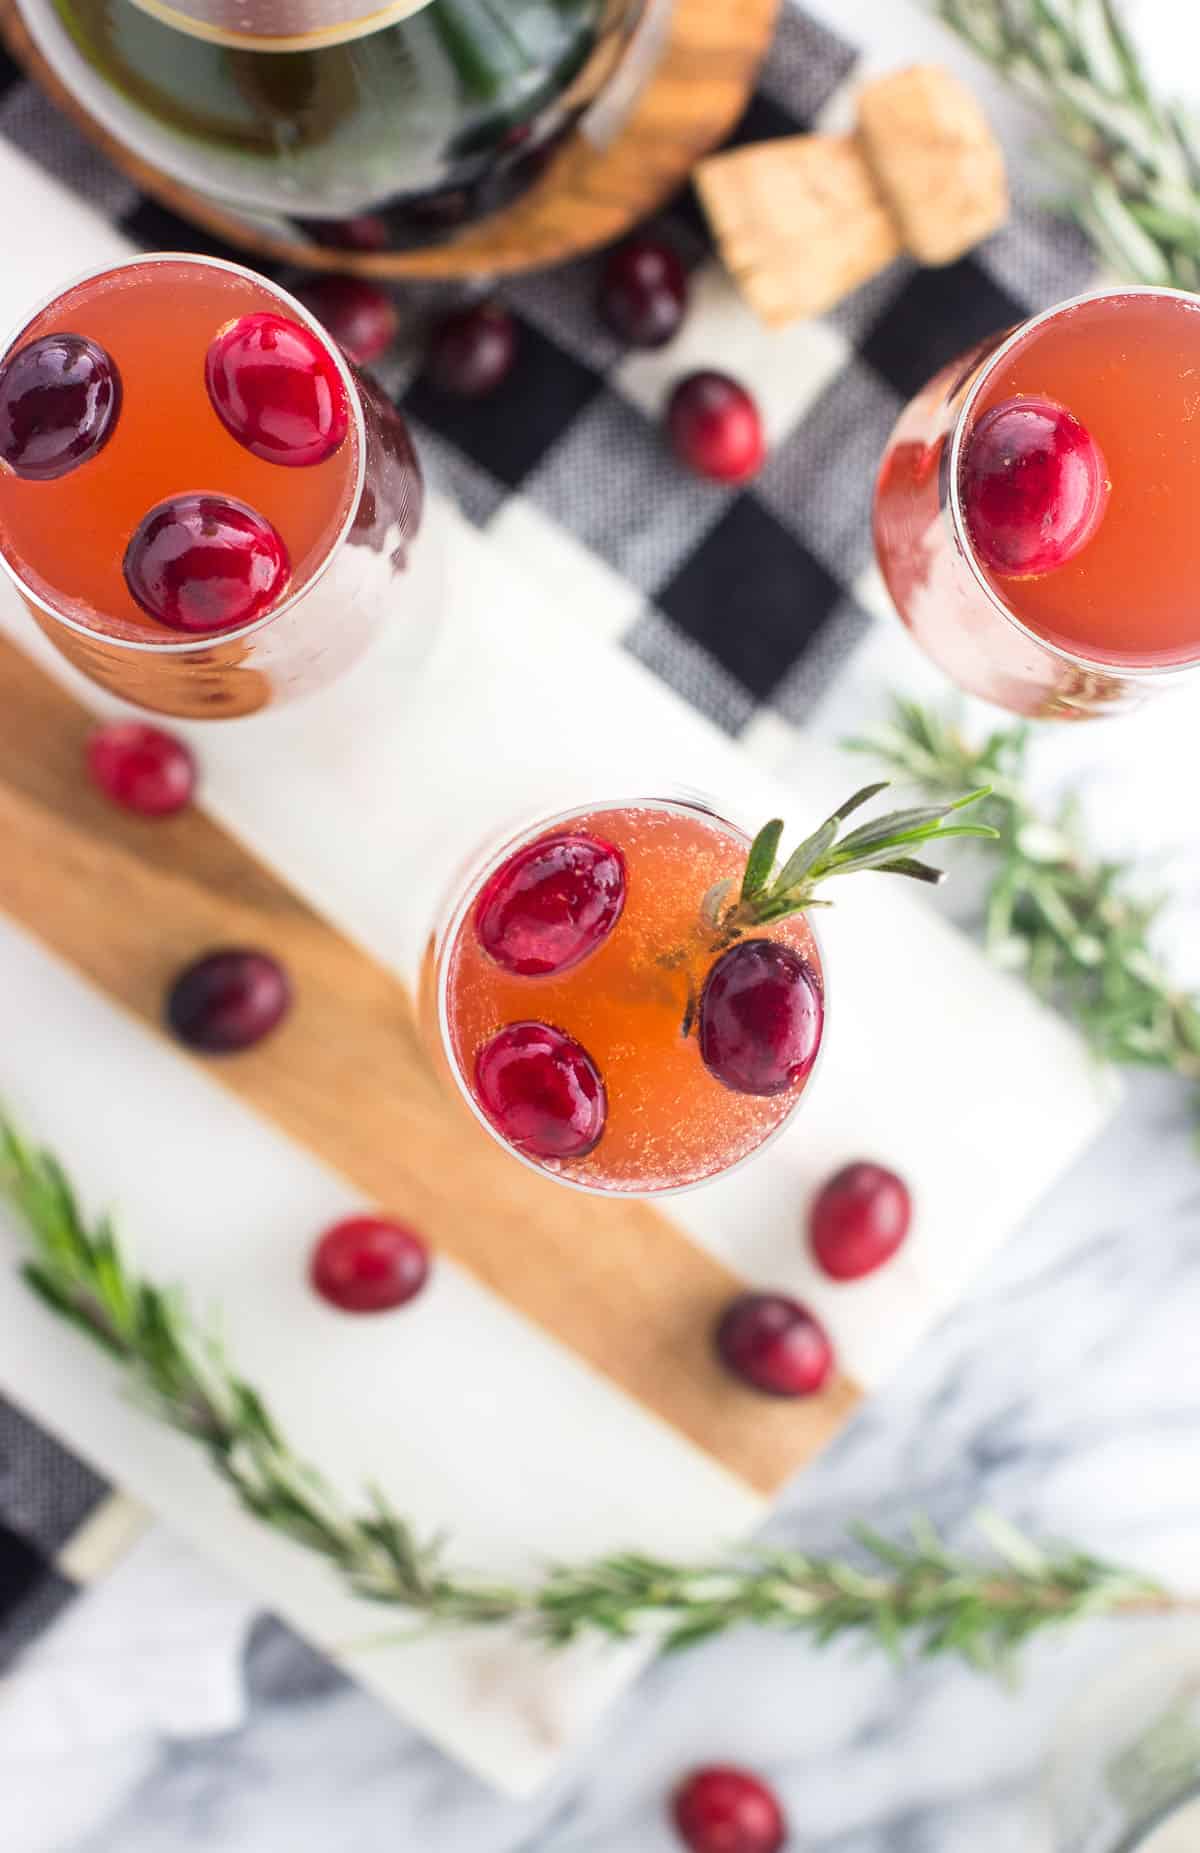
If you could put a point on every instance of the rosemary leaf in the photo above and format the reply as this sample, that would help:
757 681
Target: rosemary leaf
915 871
857 799
1130 159
912 1593
802 860
761 860
875 845
1072 920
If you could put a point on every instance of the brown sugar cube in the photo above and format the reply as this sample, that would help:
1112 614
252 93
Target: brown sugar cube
935 159
800 222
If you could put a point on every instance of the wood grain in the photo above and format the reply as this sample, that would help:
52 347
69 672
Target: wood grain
129 902
588 196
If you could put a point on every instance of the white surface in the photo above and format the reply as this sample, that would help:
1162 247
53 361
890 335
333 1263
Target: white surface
319 790
366 800
920 1029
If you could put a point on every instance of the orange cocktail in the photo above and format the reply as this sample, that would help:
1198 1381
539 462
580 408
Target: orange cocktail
202 504
1033 514
624 1091
630 996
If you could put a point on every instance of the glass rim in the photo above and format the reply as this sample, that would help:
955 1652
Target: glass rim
461 897
191 645
1096 665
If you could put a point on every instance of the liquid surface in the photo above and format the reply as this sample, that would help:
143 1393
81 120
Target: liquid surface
67 538
669 1121
1128 367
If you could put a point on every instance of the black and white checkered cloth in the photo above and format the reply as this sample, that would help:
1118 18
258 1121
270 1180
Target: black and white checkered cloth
743 599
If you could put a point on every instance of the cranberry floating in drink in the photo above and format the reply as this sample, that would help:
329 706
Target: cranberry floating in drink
243 511
761 1014
205 564
542 1091
277 389
1033 487
59 400
551 904
630 996
1032 513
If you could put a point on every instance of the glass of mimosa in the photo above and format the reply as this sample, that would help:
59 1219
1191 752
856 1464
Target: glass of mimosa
203 505
1033 511
630 997
564 992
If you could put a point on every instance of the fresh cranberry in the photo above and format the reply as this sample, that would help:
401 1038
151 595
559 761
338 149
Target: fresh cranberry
228 1000
368 1265
276 388
761 1015
205 563
1034 486
142 768
858 1220
361 317
542 1091
551 904
727 1810
644 292
472 351
715 428
59 402
365 232
774 1344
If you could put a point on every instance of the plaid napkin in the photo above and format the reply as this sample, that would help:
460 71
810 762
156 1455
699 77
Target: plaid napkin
745 600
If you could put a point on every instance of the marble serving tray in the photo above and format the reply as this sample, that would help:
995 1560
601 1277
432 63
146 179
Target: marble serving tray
552 1394
507 1405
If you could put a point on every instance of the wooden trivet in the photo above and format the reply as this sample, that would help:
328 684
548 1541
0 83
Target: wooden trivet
588 196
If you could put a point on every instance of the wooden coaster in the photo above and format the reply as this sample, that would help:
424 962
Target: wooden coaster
588 196
129 902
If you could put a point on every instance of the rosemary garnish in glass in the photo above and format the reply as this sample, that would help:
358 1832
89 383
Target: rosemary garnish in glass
884 845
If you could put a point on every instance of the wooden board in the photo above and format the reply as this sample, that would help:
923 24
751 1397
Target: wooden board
588 196
129 902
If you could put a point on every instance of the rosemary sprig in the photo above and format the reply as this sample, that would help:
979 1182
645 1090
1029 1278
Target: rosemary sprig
1069 919
1132 160
885 845
914 1593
